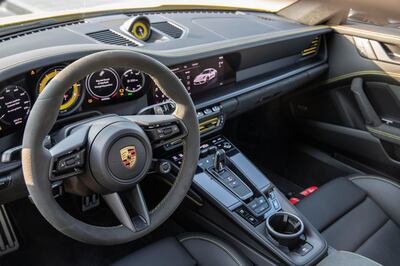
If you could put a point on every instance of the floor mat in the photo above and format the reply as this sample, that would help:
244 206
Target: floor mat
43 245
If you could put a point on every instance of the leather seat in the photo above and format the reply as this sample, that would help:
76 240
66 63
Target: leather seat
360 214
186 250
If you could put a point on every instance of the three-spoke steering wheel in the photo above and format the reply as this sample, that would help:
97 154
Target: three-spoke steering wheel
111 154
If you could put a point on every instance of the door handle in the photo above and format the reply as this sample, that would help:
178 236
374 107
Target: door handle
372 120
376 50
368 112
386 52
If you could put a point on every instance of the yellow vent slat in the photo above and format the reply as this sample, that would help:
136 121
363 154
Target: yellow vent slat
310 49
308 53
313 49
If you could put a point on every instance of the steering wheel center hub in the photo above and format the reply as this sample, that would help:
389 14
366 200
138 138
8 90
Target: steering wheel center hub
126 158
120 156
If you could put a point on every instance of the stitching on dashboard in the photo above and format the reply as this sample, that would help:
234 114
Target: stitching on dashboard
215 243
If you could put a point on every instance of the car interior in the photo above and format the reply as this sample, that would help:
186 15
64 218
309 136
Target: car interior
201 135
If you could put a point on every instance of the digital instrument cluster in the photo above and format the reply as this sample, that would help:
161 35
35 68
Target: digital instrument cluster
17 95
107 85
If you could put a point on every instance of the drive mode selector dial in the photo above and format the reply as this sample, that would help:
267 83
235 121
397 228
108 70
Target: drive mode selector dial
103 84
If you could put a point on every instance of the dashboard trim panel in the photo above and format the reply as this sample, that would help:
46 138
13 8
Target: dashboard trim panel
19 63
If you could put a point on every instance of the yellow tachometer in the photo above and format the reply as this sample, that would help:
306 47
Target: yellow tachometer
71 98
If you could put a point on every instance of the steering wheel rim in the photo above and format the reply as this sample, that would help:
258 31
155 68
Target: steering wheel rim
43 116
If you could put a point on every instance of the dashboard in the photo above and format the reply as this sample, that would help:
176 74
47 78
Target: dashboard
230 62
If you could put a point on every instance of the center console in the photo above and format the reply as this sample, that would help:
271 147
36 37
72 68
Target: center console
233 184
225 176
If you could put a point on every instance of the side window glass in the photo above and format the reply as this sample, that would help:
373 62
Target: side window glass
368 18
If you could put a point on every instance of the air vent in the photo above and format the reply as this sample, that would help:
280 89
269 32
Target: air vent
313 49
24 33
110 37
168 28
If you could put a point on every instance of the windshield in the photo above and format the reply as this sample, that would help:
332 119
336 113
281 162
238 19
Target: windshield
16 11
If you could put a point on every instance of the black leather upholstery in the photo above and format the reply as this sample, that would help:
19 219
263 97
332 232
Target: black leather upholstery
168 252
358 214
186 250
209 250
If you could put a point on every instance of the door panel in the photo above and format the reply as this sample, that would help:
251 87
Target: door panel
385 98
356 112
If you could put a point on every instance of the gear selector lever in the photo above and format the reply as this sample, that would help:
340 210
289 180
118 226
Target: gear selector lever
219 160
221 170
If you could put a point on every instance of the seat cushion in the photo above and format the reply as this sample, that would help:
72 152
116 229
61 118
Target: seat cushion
167 252
186 250
209 250
358 214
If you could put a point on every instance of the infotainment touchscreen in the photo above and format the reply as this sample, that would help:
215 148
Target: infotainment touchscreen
201 76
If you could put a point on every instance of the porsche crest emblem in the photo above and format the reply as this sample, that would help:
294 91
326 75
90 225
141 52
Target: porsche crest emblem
128 156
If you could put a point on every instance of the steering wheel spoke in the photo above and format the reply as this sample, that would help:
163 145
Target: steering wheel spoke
68 155
138 203
161 129
140 220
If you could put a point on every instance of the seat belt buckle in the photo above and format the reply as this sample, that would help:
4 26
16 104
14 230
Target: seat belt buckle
294 200
307 192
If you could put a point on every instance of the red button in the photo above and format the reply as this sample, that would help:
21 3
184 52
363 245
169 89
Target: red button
308 191
294 200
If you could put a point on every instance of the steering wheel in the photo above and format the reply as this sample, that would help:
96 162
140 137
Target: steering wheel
111 154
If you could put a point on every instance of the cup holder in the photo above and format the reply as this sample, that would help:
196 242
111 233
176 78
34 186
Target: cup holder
286 228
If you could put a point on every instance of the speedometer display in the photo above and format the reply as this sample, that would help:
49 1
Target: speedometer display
15 105
103 84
